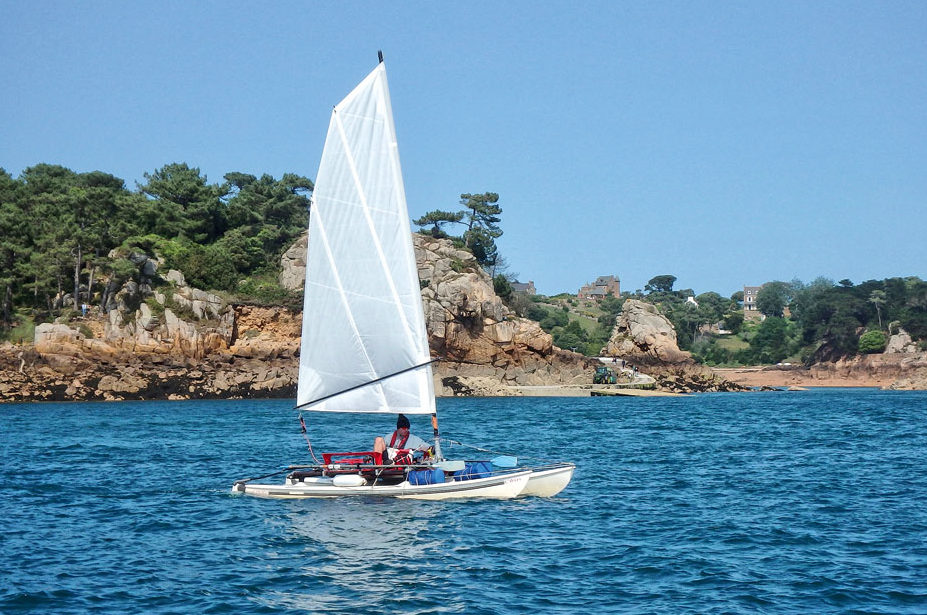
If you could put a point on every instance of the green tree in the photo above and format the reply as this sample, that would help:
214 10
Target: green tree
71 222
184 203
772 299
481 211
877 298
437 219
734 321
770 344
711 307
14 244
611 307
275 212
503 288
484 249
660 284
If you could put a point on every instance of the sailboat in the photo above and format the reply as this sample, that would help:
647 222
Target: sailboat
364 345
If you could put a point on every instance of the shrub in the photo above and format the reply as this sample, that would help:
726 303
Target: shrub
265 289
872 341
536 313
502 287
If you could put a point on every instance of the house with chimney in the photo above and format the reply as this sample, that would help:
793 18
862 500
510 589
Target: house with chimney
603 286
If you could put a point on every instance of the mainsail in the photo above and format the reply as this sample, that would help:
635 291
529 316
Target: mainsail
364 346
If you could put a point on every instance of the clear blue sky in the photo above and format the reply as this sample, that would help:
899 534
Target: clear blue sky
725 143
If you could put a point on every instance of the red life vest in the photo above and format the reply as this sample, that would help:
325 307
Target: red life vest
402 441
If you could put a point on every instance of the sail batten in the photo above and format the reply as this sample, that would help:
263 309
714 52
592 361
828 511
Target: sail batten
364 346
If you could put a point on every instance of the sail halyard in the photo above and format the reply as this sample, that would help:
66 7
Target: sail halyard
364 344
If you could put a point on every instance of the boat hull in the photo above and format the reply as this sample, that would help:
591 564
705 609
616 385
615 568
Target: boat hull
500 487
548 481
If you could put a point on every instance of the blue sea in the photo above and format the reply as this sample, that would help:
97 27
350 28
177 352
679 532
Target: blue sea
773 502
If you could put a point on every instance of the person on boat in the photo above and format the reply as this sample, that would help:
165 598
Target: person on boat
401 439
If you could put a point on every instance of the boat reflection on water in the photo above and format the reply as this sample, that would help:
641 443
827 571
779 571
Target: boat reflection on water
356 548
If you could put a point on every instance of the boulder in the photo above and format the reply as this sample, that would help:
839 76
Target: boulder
293 265
901 342
56 338
644 336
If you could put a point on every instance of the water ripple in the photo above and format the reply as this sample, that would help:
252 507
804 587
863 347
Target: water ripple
753 503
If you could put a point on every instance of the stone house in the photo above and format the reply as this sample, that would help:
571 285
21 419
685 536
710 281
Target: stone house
522 287
603 285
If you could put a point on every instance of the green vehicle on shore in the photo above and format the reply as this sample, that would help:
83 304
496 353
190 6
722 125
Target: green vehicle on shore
604 375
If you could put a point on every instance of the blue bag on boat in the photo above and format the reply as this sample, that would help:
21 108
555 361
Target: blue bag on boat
426 477
474 469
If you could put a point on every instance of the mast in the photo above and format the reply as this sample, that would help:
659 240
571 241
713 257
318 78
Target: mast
434 424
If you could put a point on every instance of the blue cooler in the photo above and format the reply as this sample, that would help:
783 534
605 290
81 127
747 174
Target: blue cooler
426 477
474 469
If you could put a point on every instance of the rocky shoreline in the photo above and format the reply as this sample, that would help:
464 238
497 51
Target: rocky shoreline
26 375
155 337
892 371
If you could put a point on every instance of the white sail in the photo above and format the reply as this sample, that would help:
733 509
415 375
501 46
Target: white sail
363 320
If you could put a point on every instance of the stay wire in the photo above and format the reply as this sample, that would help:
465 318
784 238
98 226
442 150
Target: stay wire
302 425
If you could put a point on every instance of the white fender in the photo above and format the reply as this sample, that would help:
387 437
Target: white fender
349 480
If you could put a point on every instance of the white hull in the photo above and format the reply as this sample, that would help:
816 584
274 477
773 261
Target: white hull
500 487
548 482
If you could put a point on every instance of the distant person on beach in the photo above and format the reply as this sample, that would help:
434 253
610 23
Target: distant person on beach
400 439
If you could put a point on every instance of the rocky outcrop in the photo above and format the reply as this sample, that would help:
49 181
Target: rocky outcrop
162 338
481 341
293 265
895 370
483 344
900 343
899 371
174 320
643 336
914 380
693 379
57 377
266 333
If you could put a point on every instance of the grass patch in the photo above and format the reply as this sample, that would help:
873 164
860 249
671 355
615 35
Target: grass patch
22 332
731 343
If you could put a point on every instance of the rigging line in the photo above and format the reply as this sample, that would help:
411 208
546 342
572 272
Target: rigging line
305 430
362 385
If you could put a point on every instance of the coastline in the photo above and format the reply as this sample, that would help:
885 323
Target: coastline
795 376
586 390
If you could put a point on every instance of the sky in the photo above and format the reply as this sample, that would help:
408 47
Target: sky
724 143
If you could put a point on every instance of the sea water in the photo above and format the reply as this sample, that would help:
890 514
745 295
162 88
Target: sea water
773 502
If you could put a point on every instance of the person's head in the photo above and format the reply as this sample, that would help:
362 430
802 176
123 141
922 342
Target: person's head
402 422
